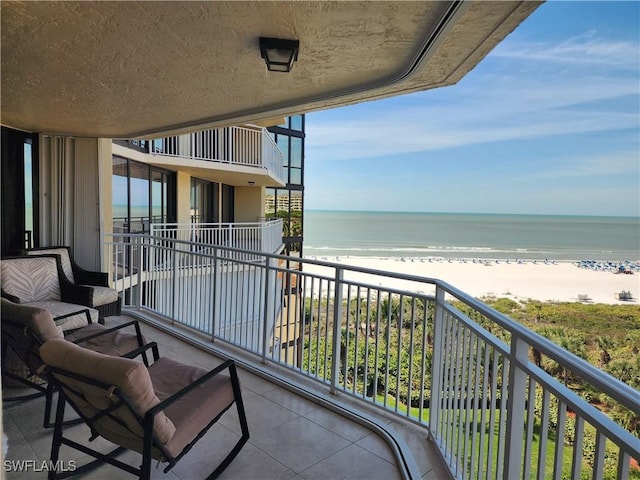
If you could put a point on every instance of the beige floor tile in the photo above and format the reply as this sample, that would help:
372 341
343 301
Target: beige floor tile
299 444
253 464
255 383
338 424
290 400
353 463
262 414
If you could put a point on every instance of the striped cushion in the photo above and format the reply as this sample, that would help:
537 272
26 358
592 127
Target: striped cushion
30 279
72 322
64 259
104 296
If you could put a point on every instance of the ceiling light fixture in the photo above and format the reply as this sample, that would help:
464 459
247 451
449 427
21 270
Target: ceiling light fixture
279 53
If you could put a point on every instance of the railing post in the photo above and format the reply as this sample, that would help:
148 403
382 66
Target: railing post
140 242
216 295
516 403
174 299
436 372
269 305
337 324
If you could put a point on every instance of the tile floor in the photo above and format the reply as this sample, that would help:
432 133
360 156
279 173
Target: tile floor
291 437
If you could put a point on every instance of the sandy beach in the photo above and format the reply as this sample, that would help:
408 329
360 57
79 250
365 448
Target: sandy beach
558 282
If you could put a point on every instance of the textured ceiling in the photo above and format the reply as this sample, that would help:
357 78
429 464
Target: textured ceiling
131 69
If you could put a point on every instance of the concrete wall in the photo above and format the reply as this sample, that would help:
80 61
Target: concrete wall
183 200
249 204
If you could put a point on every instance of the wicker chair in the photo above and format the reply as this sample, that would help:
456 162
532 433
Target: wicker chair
103 298
38 281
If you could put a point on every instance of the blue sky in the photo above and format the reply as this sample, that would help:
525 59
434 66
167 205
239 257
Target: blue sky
547 123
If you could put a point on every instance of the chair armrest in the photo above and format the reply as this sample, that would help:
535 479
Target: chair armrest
11 298
229 364
86 277
143 351
79 294
135 324
67 315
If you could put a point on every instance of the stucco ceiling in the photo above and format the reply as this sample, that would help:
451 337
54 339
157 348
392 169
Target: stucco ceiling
142 69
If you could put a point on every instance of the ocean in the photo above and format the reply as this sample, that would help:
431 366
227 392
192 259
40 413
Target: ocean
462 235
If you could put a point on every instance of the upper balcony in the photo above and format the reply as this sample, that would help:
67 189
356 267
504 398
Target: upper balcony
432 359
232 151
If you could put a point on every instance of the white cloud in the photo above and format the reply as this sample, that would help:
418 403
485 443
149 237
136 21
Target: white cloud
586 49
491 107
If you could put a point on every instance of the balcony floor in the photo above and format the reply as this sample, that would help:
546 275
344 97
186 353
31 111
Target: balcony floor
291 437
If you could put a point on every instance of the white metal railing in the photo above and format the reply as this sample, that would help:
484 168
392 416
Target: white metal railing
252 147
417 353
263 237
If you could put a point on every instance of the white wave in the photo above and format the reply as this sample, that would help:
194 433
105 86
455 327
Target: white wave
427 249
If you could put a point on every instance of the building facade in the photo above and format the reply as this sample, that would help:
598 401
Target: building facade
230 176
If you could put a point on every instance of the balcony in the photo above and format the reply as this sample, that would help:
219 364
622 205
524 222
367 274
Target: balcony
234 147
440 383
291 436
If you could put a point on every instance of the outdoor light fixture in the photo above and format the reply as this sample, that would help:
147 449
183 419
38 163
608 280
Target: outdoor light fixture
278 53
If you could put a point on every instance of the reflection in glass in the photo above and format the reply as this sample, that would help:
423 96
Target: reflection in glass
28 192
158 197
295 176
296 122
283 144
139 198
296 152
120 196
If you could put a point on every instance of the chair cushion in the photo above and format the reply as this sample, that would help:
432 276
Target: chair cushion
195 410
20 346
30 279
64 259
115 344
103 296
58 309
131 377
36 319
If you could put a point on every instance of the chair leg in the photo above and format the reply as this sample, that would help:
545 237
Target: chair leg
243 425
57 435
48 405
239 403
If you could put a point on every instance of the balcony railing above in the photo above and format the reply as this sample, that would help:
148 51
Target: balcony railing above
250 147
263 237
432 355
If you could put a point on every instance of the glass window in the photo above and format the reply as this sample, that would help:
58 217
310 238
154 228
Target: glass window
296 152
295 175
296 122
120 195
227 207
28 194
270 202
158 197
201 201
139 197
283 144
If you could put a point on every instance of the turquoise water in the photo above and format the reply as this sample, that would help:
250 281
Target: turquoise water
460 235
